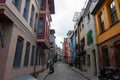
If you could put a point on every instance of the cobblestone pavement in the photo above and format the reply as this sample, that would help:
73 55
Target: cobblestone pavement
64 72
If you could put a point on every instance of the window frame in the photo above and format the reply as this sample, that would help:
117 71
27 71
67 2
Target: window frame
88 60
32 62
18 4
32 15
106 56
113 12
40 25
42 3
101 22
27 54
36 22
26 9
17 58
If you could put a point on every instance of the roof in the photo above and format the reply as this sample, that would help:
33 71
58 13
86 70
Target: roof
98 5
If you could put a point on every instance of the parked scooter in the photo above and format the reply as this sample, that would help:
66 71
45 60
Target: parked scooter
51 70
109 73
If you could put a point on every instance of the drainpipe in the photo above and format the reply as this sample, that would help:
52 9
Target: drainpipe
35 56
1 36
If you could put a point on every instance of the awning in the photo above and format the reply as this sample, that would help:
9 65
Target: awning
26 77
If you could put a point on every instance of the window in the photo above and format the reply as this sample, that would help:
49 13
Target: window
51 43
117 53
88 16
26 59
106 61
18 53
35 24
17 3
39 58
41 3
82 26
32 16
101 23
40 25
32 56
88 60
113 12
36 57
26 9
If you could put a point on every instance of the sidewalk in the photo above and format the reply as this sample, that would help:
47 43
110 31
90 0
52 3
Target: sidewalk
43 74
84 74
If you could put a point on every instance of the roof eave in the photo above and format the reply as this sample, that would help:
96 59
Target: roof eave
98 5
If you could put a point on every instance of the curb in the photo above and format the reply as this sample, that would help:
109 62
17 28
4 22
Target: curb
43 75
80 73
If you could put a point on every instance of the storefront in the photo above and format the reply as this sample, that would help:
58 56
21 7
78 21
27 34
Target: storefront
110 52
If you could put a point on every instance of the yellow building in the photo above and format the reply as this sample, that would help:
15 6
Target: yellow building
107 20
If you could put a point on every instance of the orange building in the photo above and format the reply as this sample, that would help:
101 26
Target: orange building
107 20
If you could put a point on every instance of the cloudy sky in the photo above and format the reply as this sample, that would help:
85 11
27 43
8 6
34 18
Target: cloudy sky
62 19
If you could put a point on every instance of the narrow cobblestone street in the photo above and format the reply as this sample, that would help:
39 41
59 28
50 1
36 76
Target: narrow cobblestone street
64 72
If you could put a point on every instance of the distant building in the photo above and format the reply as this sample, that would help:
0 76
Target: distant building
52 45
73 54
69 45
65 50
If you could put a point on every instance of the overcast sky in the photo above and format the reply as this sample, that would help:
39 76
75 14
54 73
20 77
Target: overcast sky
62 19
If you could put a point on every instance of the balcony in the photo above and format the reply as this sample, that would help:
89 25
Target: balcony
3 17
43 41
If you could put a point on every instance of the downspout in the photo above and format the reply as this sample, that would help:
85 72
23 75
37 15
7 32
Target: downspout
1 36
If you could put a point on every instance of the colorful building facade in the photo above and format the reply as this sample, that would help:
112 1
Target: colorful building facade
73 54
65 50
69 45
107 17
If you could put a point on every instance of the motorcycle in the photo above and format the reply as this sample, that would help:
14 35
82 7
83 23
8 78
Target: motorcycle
51 70
109 73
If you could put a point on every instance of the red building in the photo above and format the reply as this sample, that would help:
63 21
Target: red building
46 9
65 49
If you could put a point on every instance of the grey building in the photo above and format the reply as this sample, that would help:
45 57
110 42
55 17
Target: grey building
91 57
